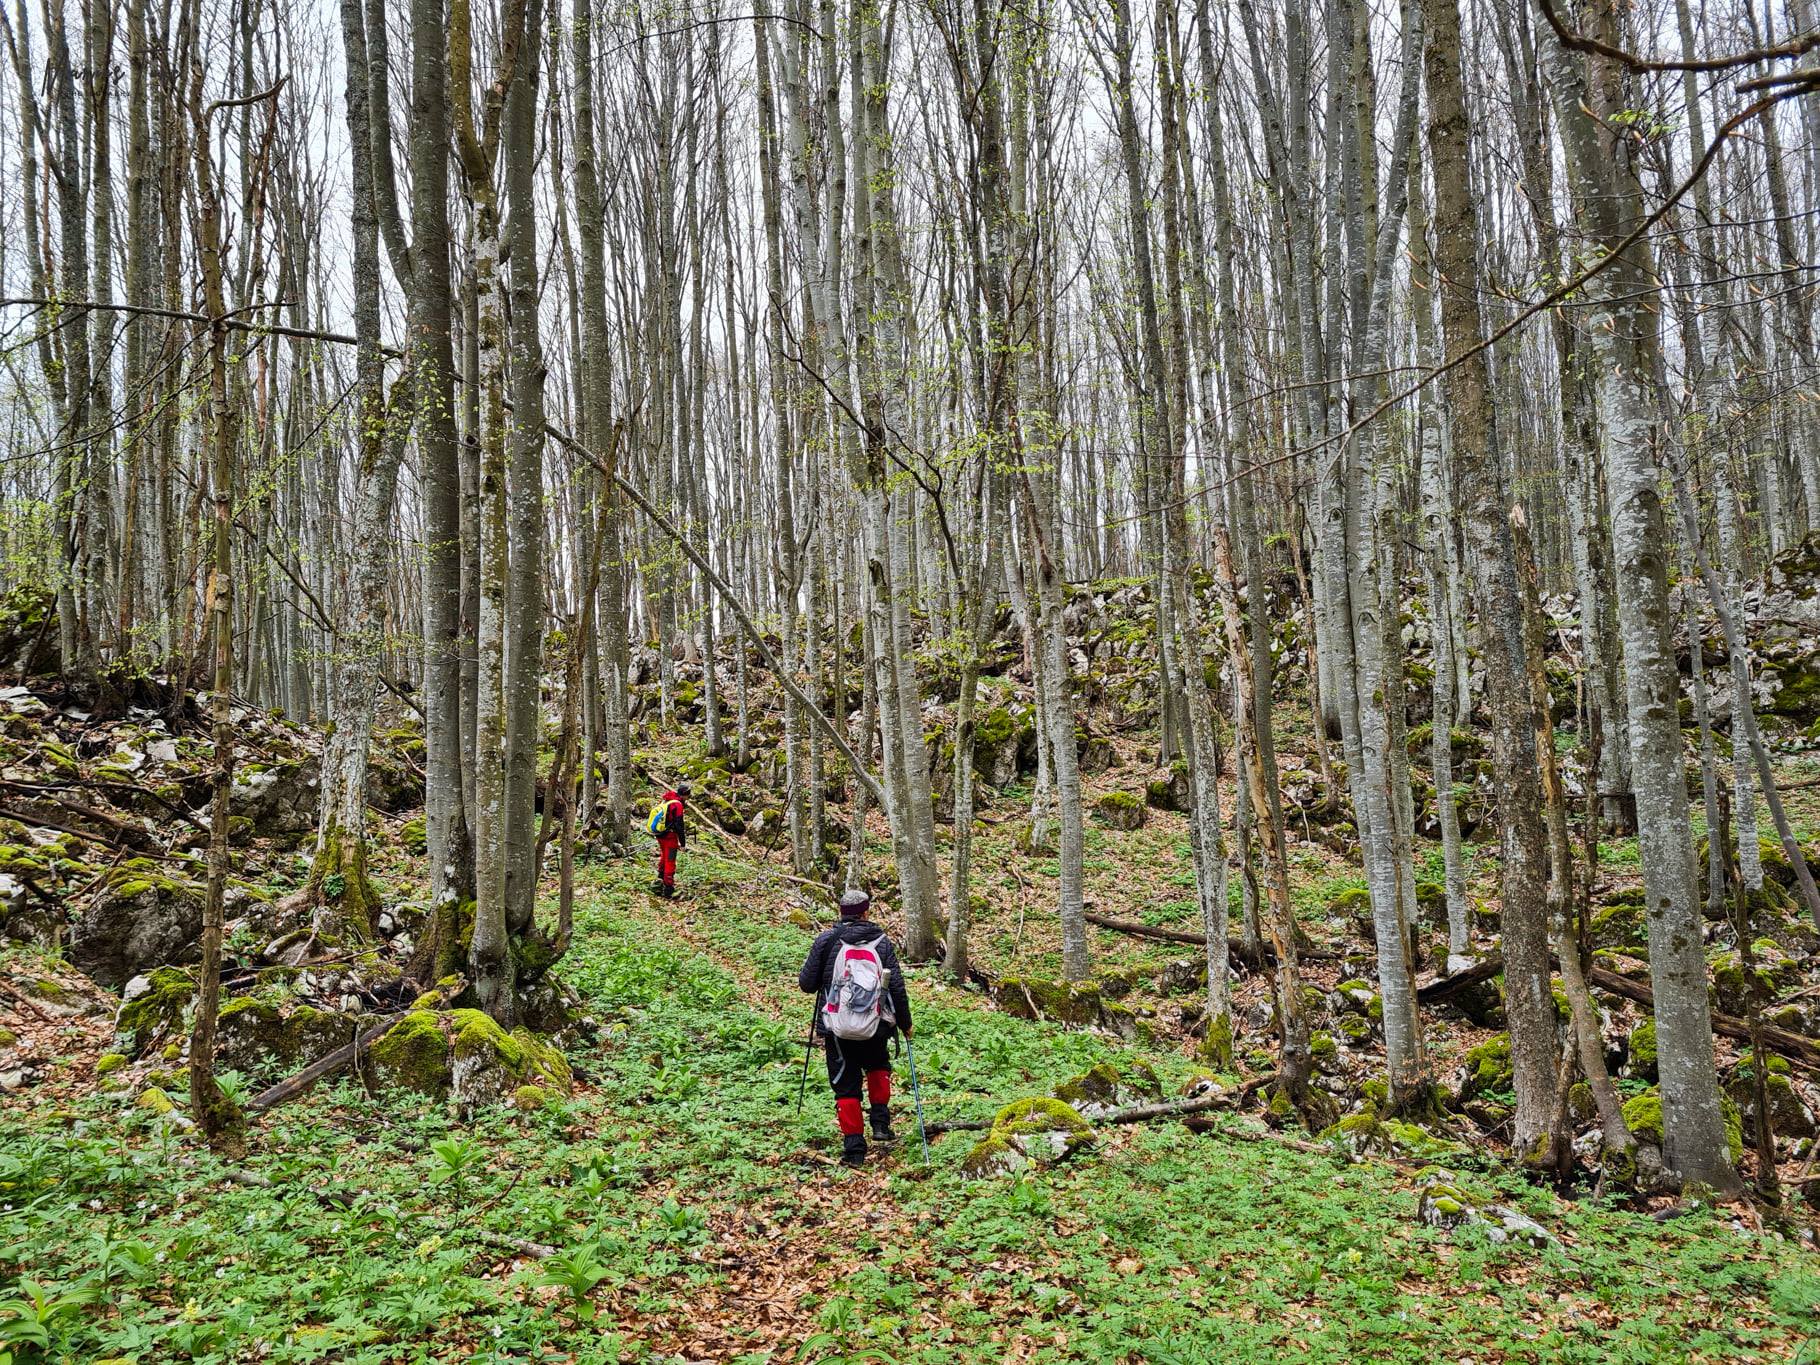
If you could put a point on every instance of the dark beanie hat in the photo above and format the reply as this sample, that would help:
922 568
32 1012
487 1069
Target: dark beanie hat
854 904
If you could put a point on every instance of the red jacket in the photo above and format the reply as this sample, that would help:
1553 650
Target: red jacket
673 819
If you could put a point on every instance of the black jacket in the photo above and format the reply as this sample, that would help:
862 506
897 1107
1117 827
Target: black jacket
818 968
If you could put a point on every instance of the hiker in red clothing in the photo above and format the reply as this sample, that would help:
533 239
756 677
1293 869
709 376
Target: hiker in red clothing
667 823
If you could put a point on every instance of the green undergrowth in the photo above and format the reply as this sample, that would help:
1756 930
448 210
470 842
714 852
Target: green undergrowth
384 1231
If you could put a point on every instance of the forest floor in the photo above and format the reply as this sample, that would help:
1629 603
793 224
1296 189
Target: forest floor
694 1214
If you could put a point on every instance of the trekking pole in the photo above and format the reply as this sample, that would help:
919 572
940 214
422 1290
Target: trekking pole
815 1013
916 1093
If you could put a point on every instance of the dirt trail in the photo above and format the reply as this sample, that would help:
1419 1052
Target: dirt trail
783 1259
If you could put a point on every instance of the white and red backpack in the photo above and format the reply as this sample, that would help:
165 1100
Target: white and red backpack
858 998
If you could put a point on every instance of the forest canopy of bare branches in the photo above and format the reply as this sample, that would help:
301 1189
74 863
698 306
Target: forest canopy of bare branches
1327 489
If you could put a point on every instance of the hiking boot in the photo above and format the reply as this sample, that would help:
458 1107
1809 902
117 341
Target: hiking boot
881 1124
853 1149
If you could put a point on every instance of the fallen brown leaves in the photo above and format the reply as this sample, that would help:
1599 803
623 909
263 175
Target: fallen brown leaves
778 1261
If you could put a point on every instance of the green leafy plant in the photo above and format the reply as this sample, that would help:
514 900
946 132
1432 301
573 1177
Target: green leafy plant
40 1319
679 1224
455 1157
577 1270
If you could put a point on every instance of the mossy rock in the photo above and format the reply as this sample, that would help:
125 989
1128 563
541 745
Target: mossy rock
487 1064
415 836
1792 687
1325 1052
1420 740
1095 754
1734 988
1431 902
26 859
1351 903
1059 1001
413 1055
995 747
1033 842
256 1035
1026 1133
466 1054
139 918
1619 924
1181 975
109 1062
154 1101
1041 1131
1119 810
155 1006
1123 1020
1101 1089
1581 1107
1215 1047
1365 1132
1640 1049
1352 996
1354 1028
445 992
1488 1067
1173 791
1118 982
1789 1114
1444 1205
1643 1116
1041 1114
992 1156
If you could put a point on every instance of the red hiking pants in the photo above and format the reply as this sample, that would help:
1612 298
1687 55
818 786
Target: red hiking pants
667 845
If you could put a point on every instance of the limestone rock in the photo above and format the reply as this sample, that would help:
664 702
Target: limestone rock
1790 1115
1182 975
1119 810
256 1035
465 1055
1172 791
140 918
1102 1089
277 799
1643 1116
1027 1133
154 1006
1488 1067
1364 1132
1082 1004
1096 755
1640 1051
1444 1204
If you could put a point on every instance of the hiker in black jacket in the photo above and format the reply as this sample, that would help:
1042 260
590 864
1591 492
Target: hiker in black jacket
849 1059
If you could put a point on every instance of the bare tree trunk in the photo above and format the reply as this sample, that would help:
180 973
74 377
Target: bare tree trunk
445 815
347 903
219 1118
1492 562
525 591
1607 202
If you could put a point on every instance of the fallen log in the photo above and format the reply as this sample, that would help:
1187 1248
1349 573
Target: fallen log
1137 1113
1792 1046
1234 946
1441 988
1786 1043
295 1085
